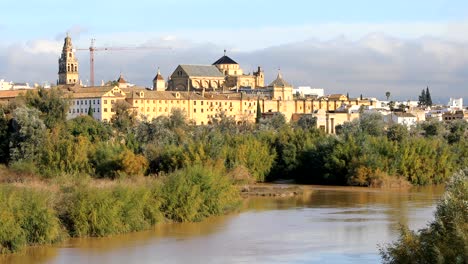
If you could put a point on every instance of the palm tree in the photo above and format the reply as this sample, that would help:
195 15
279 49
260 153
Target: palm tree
387 94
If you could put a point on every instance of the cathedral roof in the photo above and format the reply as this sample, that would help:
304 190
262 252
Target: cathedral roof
279 82
224 60
201 70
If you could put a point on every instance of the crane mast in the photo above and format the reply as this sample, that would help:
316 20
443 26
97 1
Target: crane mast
91 63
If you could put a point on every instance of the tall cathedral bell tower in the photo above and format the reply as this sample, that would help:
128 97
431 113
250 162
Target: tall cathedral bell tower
68 64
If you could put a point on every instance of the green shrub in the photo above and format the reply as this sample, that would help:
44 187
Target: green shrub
193 193
91 211
26 218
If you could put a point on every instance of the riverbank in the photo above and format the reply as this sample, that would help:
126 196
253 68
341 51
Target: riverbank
44 211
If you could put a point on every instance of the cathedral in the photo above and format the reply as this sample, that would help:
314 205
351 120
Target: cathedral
224 74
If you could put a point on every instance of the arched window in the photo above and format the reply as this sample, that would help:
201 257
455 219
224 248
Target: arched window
72 67
70 54
76 68
68 67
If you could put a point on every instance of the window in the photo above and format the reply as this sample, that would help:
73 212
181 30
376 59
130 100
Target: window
112 101
105 101
194 102
160 109
136 101
98 110
86 102
94 101
194 110
112 110
201 102
202 110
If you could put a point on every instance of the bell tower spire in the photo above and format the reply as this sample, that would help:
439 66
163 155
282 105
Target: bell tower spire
68 64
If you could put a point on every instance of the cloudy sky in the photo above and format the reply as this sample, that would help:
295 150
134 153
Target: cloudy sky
362 47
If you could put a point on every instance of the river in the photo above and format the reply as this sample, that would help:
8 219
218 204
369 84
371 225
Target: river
324 225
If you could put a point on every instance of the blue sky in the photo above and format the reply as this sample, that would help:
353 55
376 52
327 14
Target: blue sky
47 18
342 46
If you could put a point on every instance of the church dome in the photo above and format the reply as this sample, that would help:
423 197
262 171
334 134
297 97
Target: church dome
279 82
224 60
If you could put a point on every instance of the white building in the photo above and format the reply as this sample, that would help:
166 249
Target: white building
21 86
401 118
455 103
308 91
4 85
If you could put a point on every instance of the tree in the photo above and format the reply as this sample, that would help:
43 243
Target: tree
391 104
124 118
52 103
276 121
402 107
27 134
445 239
387 94
425 98
307 121
90 111
259 112
397 132
428 99
422 98
372 124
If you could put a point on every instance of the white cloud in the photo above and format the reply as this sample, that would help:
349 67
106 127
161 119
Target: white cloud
358 63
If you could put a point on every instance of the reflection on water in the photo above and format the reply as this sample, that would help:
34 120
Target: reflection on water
326 224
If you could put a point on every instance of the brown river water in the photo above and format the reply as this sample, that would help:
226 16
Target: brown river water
324 225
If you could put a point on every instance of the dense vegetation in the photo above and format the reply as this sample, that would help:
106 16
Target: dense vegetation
445 239
172 170
36 138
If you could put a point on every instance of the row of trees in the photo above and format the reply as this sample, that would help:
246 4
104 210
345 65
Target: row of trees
425 98
36 138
